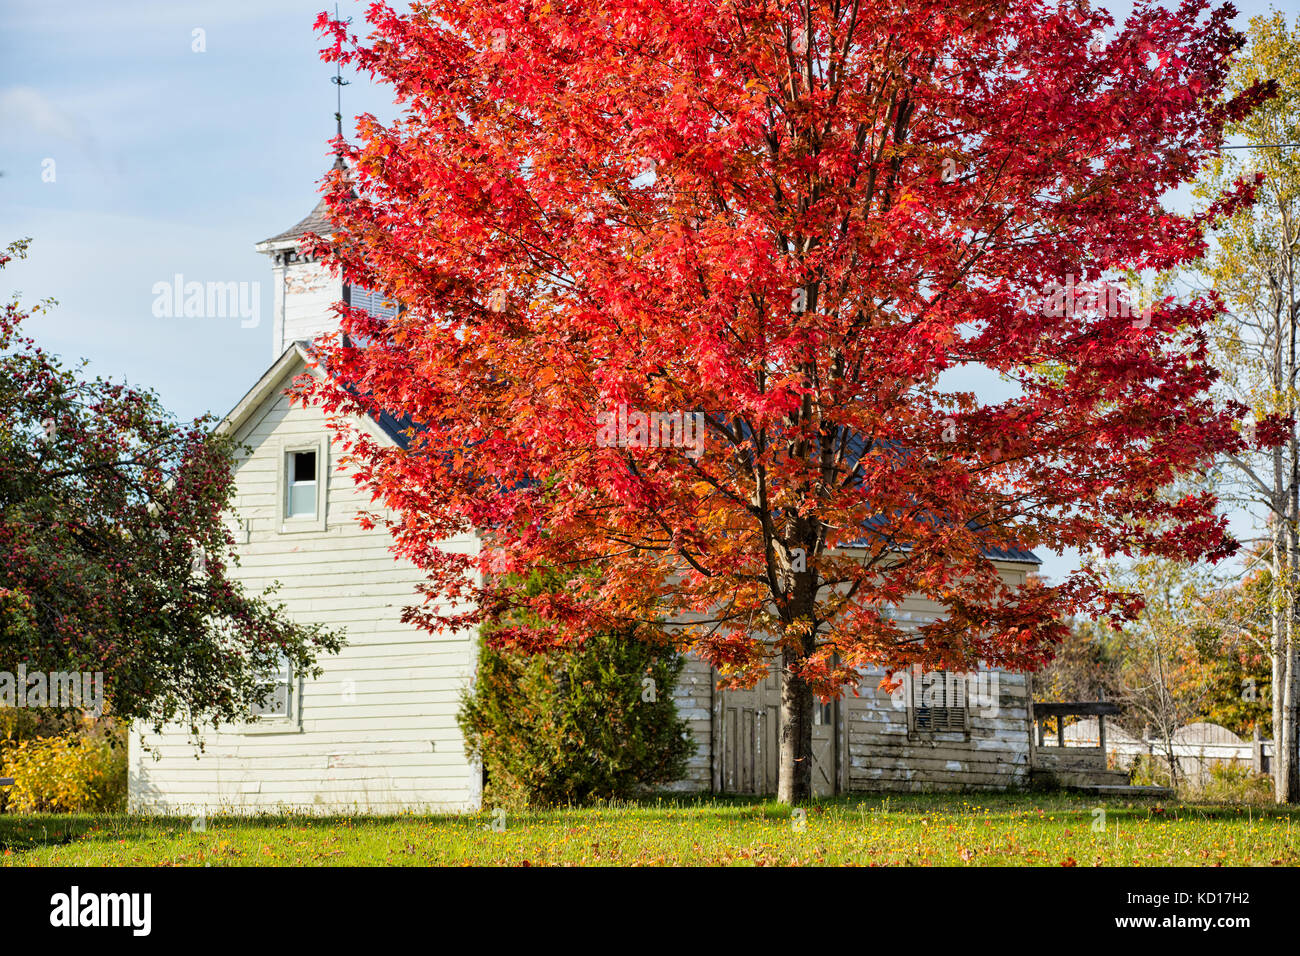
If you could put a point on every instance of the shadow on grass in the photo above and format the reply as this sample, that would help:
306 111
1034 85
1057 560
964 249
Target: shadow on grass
22 833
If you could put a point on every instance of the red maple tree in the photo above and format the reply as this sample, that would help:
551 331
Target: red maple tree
798 226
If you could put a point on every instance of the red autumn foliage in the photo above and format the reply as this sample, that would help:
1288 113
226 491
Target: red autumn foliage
814 224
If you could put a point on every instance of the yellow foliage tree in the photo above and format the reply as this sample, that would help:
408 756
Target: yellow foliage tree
1255 265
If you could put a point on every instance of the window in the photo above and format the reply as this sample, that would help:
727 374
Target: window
278 695
302 485
938 701
359 297
303 481
823 714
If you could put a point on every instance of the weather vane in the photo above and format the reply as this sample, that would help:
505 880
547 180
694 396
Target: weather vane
339 82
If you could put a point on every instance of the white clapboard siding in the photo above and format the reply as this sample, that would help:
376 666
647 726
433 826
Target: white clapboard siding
377 731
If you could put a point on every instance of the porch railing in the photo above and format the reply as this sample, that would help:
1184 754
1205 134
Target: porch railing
1101 709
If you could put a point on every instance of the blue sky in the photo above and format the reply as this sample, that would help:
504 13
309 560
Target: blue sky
165 161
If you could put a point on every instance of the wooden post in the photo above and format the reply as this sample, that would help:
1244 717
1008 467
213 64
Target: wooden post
1060 731
1101 731
1256 751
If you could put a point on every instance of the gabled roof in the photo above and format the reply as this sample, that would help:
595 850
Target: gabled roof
300 352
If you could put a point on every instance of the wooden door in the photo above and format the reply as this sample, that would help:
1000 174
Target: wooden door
751 721
823 749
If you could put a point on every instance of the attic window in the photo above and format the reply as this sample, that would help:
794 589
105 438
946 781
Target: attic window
302 485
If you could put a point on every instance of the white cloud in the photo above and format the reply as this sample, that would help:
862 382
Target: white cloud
27 110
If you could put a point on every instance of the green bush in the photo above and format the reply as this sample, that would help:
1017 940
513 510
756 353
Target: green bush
80 770
596 722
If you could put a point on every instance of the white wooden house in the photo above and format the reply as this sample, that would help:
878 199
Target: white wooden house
377 732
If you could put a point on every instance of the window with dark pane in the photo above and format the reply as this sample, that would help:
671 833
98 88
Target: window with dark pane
302 485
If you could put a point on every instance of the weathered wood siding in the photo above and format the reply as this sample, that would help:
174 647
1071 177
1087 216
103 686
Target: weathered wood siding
694 698
882 754
876 748
305 294
377 732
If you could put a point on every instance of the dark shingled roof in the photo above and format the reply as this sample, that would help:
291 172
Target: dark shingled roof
398 429
1019 555
317 221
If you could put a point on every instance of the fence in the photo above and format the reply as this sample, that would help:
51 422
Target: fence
1196 747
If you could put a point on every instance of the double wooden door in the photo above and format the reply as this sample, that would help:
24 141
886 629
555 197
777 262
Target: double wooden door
750 724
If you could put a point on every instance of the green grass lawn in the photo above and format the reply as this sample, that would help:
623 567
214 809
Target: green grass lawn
975 830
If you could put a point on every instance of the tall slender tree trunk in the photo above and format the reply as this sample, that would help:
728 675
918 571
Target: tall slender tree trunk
1284 718
1285 777
1287 788
794 771
794 780
1289 771
1279 609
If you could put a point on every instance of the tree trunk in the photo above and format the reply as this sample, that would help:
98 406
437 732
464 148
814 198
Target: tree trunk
1284 776
1286 787
794 775
1284 702
1286 768
1280 606
1287 780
